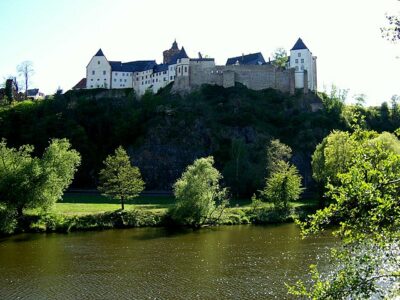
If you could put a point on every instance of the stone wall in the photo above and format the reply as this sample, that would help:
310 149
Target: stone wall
252 76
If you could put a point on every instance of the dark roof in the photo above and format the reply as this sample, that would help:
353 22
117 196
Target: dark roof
160 68
99 53
179 55
32 92
249 59
80 85
202 59
133 66
299 45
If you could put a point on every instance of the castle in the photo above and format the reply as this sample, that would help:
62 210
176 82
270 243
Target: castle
187 73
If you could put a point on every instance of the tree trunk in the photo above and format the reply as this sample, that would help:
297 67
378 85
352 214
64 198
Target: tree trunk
20 212
122 204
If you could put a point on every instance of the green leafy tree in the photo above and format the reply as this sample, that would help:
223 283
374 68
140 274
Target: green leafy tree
283 186
199 197
335 153
392 32
33 182
280 58
119 179
277 154
366 213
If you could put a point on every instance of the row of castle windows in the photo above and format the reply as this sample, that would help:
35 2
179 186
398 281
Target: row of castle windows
297 61
302 68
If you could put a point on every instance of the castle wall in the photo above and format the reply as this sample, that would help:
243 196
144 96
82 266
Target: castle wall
252 76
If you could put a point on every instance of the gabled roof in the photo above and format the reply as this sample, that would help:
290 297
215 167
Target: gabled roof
249 59
133 66
179 55
99 53
80 85
32 92
299 45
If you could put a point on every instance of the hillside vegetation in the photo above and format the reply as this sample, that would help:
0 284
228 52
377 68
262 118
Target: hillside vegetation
164 133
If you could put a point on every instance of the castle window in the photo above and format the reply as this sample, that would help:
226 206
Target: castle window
98 62
296 60
125 80
302 68
91 79
185 69
98 79
299 54
120 80
115 80
116 74
104 72
91 86
170 78
297 68
93 72
302 60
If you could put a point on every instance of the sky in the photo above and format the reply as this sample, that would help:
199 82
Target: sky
60 37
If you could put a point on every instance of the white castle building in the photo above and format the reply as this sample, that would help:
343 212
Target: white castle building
186 73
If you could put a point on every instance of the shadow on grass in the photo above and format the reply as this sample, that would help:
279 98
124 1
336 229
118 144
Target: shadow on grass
99 199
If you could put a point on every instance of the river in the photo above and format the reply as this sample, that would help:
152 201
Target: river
228 262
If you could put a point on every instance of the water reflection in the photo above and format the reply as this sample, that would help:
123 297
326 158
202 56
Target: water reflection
237 262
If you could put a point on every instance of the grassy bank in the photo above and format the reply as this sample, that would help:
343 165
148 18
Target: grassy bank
81 212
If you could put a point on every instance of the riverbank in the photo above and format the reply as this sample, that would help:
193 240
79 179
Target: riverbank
94 212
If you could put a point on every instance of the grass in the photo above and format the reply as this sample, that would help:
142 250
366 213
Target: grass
85 204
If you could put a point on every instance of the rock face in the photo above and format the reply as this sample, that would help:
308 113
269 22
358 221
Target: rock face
165 153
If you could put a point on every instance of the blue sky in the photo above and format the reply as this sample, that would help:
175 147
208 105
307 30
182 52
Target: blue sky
61 36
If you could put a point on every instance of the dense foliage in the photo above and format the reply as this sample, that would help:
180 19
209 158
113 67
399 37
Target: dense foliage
199 197
165 132
365 208
119 179
32 182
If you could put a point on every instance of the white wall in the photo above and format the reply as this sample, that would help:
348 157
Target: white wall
302 60
98 73
122 80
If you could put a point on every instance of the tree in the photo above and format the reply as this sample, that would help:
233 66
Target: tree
25 69
199 197
277 154
283 186
331 156
119 179
366 214
392 33
334 155
280 58
33 182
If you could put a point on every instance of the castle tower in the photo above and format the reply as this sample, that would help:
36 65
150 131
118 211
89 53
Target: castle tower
168 54
98 72
305 65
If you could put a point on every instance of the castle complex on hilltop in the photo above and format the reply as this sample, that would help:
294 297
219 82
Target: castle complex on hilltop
189 73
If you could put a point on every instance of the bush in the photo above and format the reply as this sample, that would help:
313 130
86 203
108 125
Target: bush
8 221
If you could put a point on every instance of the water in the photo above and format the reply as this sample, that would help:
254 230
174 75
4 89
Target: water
235 262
